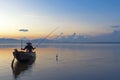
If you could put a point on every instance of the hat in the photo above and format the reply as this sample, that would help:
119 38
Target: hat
28 43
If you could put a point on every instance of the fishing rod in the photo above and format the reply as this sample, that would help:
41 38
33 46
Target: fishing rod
21 44
46 36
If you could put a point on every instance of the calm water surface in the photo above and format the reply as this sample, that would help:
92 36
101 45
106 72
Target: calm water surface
64 62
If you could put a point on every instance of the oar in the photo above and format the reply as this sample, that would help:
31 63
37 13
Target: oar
12 63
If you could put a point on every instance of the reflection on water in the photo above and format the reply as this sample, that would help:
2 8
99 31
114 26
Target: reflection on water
20 68
64 62
57 57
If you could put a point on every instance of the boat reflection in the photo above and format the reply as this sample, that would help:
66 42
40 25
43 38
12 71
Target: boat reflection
20 68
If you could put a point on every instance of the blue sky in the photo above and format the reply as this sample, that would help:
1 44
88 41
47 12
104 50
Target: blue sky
89 17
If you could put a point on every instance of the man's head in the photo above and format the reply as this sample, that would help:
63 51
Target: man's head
28 43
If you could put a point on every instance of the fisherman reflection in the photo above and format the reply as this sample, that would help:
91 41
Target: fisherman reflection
20 68
28 47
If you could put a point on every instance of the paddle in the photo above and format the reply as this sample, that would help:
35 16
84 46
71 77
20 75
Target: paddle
12 62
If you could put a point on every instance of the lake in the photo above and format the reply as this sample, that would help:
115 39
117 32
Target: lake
66 61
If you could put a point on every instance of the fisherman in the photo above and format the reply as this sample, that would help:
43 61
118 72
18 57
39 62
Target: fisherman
28 47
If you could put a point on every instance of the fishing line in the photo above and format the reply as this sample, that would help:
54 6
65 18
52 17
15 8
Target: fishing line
46 37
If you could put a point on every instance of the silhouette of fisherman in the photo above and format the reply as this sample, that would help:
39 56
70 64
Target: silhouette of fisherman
28 47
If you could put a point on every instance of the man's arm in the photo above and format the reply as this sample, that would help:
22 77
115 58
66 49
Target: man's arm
24 48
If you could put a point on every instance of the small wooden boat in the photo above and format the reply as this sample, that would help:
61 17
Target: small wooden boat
22 56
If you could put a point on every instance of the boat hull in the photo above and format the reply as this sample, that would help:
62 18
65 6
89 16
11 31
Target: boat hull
24 56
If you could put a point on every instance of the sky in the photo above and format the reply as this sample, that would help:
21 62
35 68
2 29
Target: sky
40 17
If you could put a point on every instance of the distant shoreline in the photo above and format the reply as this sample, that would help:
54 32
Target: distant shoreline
65 42
35 41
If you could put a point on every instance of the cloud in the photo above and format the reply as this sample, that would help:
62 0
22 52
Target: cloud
108 37
116 26
23 30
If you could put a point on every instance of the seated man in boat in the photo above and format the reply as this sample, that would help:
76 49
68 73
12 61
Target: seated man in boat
28 47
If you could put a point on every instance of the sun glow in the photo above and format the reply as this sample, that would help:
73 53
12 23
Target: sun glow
41 17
